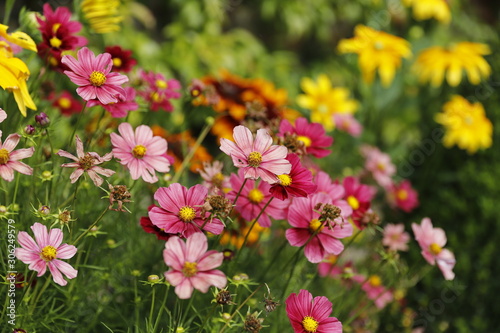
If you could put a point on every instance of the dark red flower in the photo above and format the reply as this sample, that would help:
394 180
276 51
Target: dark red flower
122 59
66 103
298 183
150 228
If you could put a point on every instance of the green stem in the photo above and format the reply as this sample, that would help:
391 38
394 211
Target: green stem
207 317
91 226
14 198
8 10
157 321
151 310
80 116
37 296
239 308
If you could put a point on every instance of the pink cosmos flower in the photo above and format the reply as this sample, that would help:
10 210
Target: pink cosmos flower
191 266
253 197
347 123
141 152
121 108
312 135
159 91
180 211
335 191
86 162
9 158
257 157
305 222
359 197
311 315
379 165
375 290
46 250
403 196
3 115
298 183
212 176
431 241
93 75
395 237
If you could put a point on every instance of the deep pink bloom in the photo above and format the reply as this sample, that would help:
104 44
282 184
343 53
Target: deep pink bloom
121 108
395 237
359 197
141 152
122 59
298 183
93 75
9 158
305 222
335 191
347 123
431 241
313 135
150 228
192 266
159 91
379 164
403 196
257 157
311 315
180 211
374 289
86 162
66 103
253 197
46 250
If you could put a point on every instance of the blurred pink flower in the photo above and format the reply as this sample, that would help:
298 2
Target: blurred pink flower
92 75
191 266
45 251
431 241
359 197
374 290
3 115
379 164
180 211
66 103
298 183
86 162
9 158
312 135
395 237
311 315
212 176
347 123
121 108
159 91
257 157
141 152
403 196
335 191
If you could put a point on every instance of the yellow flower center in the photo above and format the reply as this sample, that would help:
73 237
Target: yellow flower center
156 98
375 281
353 202
117 62
187 214
435 249
161 84
285 180
254 159
323 108
217 179
315 226
64 102
378 45
332 259
190 269
139 151
402 195
255 195
55 42
4 156
381 166
55 27
97 78
48 253
310 324
305 140
53 61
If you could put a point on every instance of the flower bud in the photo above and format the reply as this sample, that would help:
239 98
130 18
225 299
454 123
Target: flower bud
42 119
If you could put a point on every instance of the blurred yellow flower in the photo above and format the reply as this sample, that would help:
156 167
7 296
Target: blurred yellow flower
324 101
466 125
13 71
427 9
376 50
433 62
103 15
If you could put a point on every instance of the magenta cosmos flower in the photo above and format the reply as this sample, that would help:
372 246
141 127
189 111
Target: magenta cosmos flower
313 136
431 241
304 219
359 197
403 196
308 315
86 162
45 251
159 91
93 76
141 152
257 157
9 158
395 237
191 266
335 191
121 108
253 198
180 211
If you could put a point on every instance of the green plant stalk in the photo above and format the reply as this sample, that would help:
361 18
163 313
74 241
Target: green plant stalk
37 296
157 321
80 116
239 308
207 317
151 310
8 10
136 307
91 226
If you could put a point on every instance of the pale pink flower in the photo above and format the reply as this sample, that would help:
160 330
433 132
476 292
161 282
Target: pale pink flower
257 157
3 115
191 266
86 162
374 289
45 251
395 237
212 176
379 164
431 241
347 123
92 75
403 196
141 152
9 158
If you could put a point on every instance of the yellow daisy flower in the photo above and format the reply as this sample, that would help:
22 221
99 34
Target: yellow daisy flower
324 101
376 50
433 62
428 9
466 125
103 15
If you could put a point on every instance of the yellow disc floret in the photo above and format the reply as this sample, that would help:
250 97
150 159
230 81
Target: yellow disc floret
435 249
187 214
48 253
4 156
305 140
353 202
285 180
315 226
55 42
117 62
310 324
254 159
190 269
97 78
255 195
139 151
375 280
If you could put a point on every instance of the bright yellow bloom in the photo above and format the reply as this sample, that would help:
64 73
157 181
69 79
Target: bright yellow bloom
427 9
376 50
103 15
466 125
432 63
13 71
324 101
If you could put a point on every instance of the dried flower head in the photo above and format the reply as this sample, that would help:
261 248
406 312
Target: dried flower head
224 297
252 323
218 205
119 194
269 303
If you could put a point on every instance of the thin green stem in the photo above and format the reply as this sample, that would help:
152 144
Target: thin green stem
157 321
37 296
151 310
8 10
14 198
207 317
80 116
91 226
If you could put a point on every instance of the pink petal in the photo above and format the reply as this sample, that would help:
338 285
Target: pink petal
11 142
196 246
66 251
175 253
55 237
262 141
27 256
174 277
27 242
203 280
330 325
297 237
87 92
75 175
65 268
244 139
41 234
321 309
67 155
7 173
56 274
95 178
184 290
314 251
20 167
21 153
210 260
143 134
